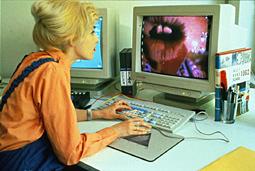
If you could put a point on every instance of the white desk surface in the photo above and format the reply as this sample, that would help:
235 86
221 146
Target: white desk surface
189 155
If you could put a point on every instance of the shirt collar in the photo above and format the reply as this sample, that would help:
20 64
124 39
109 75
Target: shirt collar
60 56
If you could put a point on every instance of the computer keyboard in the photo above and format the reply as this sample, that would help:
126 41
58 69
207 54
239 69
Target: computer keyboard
159 116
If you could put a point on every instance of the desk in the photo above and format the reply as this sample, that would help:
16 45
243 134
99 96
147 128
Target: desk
189 155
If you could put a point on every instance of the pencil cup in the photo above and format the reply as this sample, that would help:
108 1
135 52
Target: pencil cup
229 112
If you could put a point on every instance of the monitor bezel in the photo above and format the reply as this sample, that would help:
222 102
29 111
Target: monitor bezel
174 81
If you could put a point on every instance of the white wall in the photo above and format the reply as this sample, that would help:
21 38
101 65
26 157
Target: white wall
17 24
245 17
16 38
124 9
247 20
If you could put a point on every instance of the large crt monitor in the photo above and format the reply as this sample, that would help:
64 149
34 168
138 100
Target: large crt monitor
90 74
174 49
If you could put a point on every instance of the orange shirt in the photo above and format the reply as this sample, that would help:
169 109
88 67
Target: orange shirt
42 102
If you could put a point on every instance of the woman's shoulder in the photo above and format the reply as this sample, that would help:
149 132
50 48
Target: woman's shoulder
38 63
36 59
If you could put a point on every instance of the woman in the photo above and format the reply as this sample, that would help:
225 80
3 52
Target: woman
38 122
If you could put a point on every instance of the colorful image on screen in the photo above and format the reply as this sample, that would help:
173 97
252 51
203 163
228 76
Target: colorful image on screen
96 62
176 45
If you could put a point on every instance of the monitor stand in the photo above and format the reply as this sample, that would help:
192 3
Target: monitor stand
88 82
96 87
189 103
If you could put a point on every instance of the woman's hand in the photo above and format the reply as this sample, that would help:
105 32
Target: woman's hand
134 126
110 112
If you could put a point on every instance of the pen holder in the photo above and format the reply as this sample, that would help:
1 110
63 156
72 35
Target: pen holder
228 112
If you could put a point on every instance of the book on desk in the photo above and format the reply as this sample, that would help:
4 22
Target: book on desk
241 158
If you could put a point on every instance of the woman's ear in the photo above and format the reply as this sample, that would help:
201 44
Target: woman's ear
71 41
69 44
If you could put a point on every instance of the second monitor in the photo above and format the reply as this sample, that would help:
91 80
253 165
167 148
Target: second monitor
91 74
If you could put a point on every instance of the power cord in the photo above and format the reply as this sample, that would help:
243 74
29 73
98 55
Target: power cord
166 135
207 134
225 139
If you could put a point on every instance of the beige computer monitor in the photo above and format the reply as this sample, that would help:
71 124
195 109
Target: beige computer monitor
92 77
222 34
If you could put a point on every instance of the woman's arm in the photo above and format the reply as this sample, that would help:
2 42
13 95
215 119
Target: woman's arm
60 120
81 115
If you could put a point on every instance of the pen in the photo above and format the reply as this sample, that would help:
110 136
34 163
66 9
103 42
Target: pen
229 97
233 106
229 94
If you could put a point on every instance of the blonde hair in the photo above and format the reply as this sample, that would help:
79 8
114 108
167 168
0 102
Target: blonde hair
57 22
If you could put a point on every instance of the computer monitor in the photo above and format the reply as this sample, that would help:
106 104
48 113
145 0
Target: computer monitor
89 74
174 49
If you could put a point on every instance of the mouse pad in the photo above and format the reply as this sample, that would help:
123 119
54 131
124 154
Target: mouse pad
148 147
140 139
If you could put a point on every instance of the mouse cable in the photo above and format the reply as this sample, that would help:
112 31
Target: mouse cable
225 139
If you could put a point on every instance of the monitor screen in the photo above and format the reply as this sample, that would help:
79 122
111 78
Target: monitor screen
96 62
176 45
174 48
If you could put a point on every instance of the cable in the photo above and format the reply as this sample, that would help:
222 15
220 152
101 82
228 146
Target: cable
110 94
112 98
168 136
225 139
202 113
208 134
